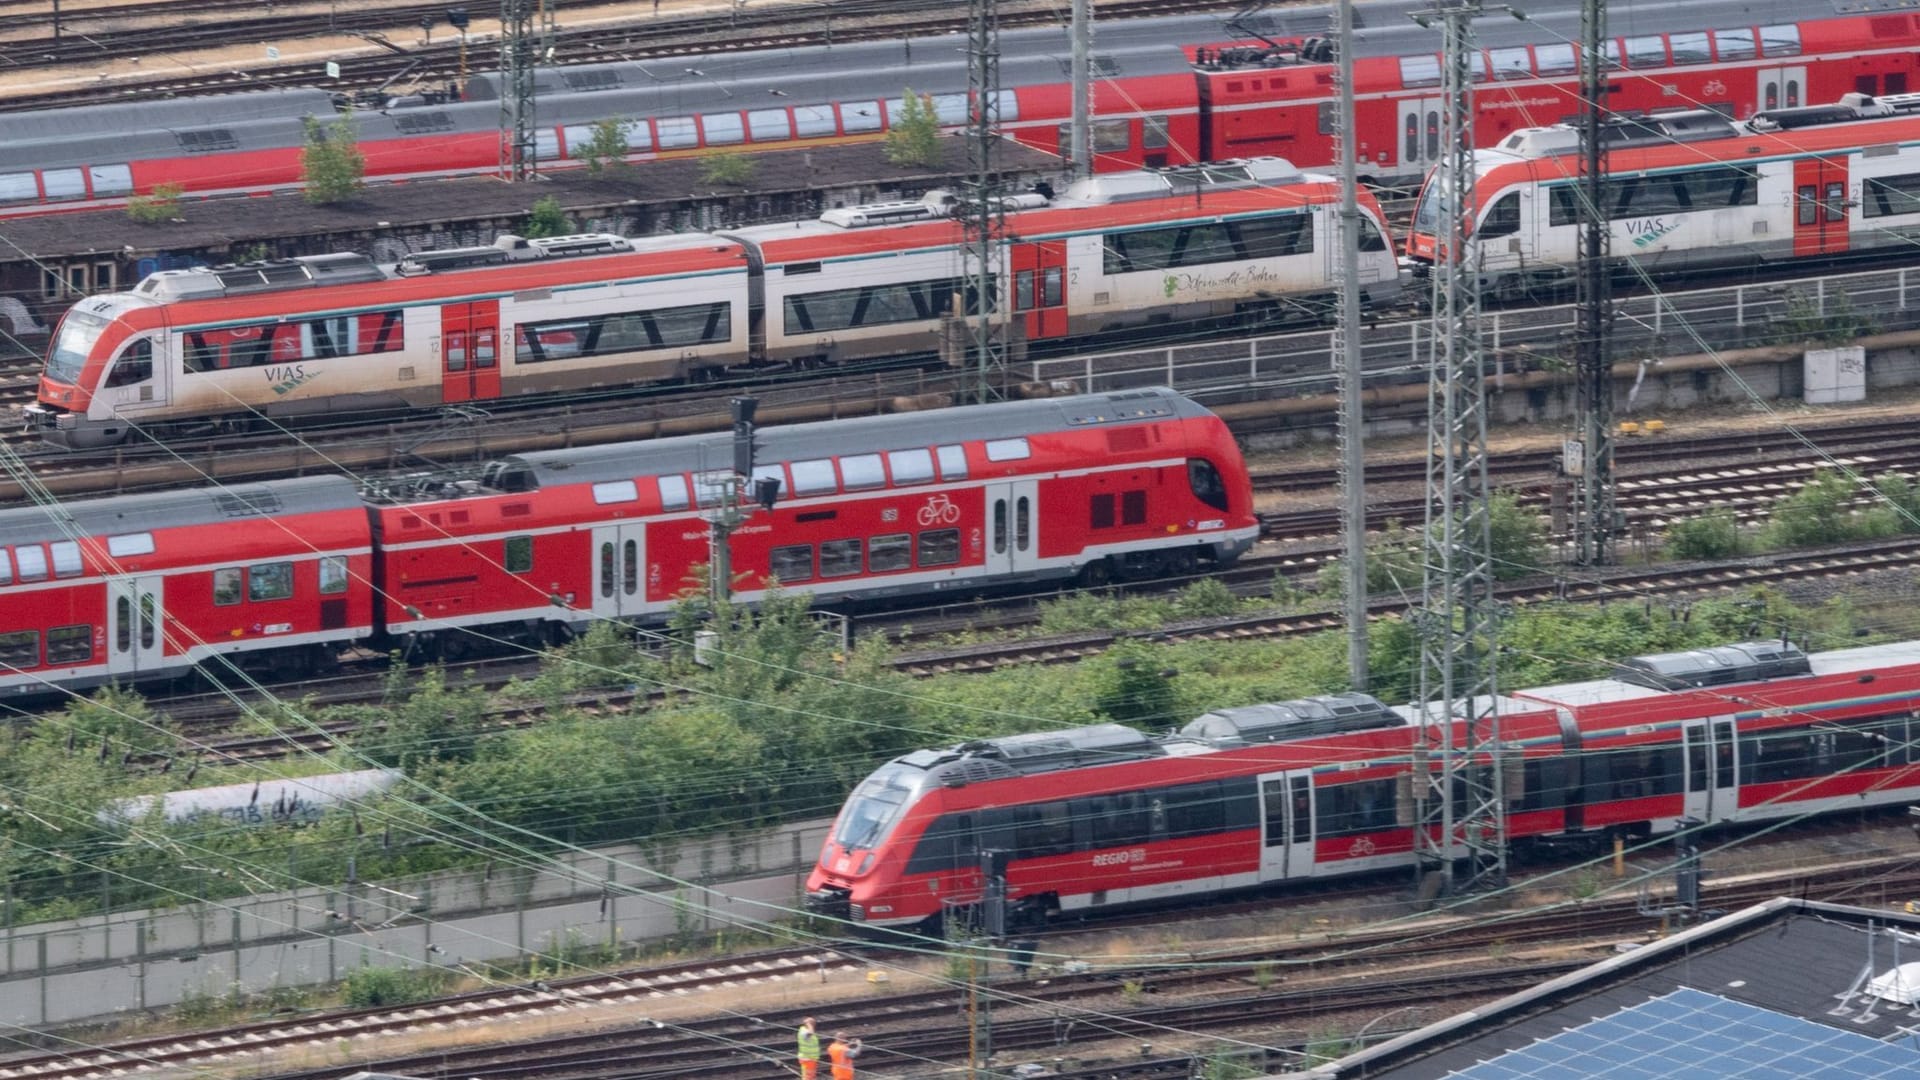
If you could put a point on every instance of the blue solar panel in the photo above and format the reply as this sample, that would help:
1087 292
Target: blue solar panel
1693 1035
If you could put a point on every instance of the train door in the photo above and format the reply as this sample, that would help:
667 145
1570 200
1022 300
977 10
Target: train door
619 563
1013 527
1820 206
470 351
1286 825
1040 288
1712 795
135 644
1781 88
134 382
1419 133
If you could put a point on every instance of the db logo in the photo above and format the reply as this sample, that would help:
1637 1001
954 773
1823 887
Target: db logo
1120 858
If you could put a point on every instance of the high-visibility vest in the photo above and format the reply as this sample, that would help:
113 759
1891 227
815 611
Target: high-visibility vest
842 1056
809 1045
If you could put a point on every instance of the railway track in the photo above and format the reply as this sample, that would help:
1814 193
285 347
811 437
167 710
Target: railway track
642 38
1285 982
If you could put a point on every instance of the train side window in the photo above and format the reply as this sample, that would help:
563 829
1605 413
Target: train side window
6 567
1884 196
1556 59
133 365
811 121
792 563
1195 810
953 462
69 645
226 586
1133 508
147 612
999 526
1276 236
66 558
270 581
615 491
710 488
1836 202
125 545
1100 511
1371 238
1008 449
606 569
1206 483
1023 291
775 473
519 560
1510 63
1690 48
629 567
676 132
815 477
840 558
18 187
769 125
722 129
1042 829
1646 52
20 649
673 493
122 623
1153 133
1112 136
1420 70
1503 219
1781 40
1809 204
910 467
891 552
1022 523
861 472
1735 44
31 559
941 547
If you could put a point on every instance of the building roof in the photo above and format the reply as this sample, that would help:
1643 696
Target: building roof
1780 989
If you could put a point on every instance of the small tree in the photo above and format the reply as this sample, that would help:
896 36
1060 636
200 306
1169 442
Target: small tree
332 165
606 149
162 205
735 170
914 137
547 219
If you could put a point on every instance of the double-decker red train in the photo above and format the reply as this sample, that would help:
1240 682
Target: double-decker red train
1691 190
279 576
1095 818
328 334
1166 91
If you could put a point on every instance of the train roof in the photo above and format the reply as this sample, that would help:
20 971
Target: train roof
1660 674
121 118
1279 721
153 511
800 442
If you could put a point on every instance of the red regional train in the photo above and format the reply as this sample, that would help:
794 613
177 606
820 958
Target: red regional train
278 576
1095 818
1167 91
1693 190
335 333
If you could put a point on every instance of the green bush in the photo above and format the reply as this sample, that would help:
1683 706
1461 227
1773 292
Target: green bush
372 986
162 205
1713 535
728 170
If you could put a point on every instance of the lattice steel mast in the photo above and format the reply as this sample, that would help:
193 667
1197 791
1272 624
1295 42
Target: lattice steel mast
1594 520
1458 623
517 154
1347 361
985 216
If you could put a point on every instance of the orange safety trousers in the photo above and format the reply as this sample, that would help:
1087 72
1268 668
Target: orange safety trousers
809 1068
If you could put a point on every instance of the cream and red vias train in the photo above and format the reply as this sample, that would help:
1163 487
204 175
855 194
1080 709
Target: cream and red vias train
338 334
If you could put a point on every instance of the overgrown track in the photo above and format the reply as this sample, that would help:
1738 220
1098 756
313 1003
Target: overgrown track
642 38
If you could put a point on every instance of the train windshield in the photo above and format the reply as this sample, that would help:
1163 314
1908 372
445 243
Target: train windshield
874 808
1426 213
78 333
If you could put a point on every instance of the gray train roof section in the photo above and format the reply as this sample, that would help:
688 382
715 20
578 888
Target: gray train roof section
173 509
865 434
41 125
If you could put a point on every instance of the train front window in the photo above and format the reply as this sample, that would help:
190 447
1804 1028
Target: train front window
1206 483
79 332
1426 214
873 809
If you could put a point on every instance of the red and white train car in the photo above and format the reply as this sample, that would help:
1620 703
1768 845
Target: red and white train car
1690 191
1099 817
139 587
334 333
961 499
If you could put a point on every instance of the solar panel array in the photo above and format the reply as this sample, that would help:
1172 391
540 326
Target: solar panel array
1693 1035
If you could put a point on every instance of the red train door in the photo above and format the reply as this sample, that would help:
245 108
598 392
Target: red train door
1819 206
470 351
1040 287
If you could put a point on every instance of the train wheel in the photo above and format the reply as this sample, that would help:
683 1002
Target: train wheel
1097 573
1181 563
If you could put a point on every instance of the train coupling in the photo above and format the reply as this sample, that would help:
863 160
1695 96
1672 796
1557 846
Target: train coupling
830 903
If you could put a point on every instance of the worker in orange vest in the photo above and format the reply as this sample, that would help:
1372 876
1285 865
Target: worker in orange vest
841 1054
809 1050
